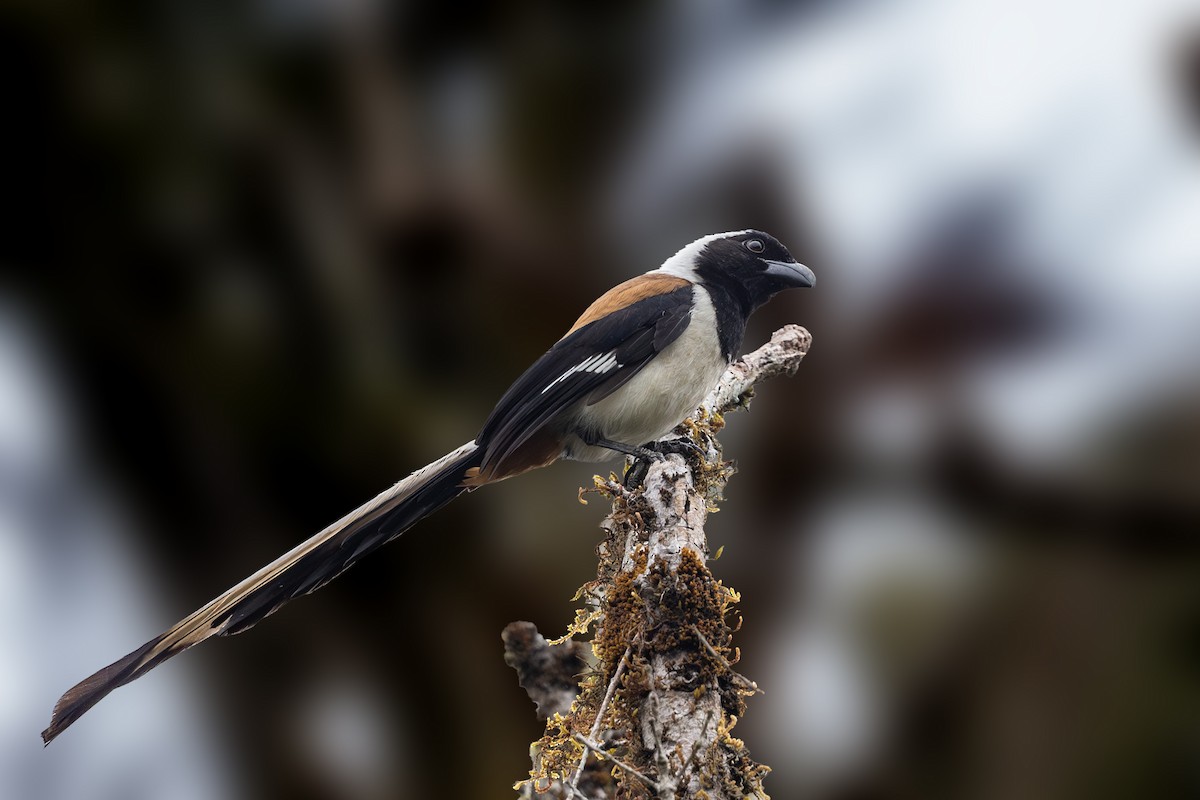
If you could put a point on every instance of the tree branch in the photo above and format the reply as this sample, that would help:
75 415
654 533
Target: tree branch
663 697
780 356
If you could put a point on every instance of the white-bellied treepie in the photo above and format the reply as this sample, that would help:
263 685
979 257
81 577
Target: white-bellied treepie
637 362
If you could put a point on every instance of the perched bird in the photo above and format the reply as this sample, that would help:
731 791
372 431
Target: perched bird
631 368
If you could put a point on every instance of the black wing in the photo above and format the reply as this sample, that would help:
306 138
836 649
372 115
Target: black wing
584 366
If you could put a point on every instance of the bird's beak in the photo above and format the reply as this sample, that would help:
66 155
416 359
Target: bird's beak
790 273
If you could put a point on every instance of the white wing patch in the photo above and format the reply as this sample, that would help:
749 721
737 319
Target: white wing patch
599 364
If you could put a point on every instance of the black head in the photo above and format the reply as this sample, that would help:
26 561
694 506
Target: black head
749 266
741 271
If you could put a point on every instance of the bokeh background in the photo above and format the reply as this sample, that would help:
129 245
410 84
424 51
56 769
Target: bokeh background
262 259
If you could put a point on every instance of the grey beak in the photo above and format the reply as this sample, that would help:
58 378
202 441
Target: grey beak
791 273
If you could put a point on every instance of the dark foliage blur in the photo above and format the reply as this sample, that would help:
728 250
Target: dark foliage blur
266 258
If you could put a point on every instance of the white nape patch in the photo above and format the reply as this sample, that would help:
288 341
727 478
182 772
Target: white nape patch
683 263
599 363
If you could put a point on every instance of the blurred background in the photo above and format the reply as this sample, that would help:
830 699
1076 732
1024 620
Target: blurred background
261 260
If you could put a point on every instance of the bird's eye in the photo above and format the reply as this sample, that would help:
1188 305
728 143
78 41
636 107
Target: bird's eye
755 246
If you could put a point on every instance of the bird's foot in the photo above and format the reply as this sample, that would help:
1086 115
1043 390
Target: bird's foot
680 446
657 451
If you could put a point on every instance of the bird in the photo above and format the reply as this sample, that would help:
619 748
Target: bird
634 365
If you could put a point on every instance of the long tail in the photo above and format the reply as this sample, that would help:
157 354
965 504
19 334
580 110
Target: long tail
302 570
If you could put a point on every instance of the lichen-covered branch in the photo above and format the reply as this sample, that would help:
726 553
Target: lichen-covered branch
655 710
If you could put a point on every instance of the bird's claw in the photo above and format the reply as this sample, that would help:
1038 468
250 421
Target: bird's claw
658 451
681 446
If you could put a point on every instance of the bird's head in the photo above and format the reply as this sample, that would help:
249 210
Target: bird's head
750 265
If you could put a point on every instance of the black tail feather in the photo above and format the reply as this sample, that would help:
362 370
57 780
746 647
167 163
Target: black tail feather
333 556
302 570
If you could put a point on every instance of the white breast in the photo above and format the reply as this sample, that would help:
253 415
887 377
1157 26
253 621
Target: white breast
666 391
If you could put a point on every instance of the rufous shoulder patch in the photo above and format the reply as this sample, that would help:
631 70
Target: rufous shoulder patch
626 294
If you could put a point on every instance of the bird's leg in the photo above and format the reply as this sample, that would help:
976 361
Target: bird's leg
643 455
